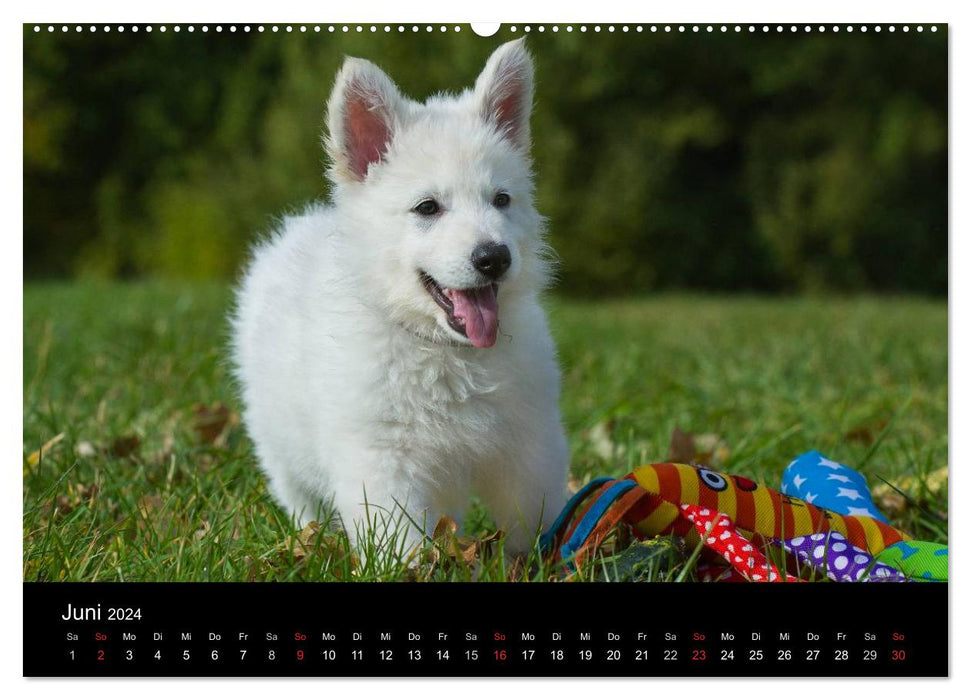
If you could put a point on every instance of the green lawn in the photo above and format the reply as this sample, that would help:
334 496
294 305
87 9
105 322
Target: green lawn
151 481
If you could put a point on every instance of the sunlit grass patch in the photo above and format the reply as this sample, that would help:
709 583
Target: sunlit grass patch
136 467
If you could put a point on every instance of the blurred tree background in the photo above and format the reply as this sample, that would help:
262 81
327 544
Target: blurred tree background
762 162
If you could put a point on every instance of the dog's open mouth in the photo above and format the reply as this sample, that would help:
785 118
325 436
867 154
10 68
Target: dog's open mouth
473 313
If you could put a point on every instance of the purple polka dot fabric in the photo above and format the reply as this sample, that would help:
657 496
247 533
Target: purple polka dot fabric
831 553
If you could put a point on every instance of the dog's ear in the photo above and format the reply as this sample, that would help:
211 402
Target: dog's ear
504 91
361 118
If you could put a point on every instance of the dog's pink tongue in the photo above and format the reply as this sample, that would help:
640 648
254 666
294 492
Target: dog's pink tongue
480 311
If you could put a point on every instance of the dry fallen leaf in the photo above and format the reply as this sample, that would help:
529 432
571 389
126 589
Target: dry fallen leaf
202 531
125 446
688 448
494 537
890 499
444 528
682 448
37 455
469 547
451 548
156 518
710 449
516 569
442 535
867 433
253 568
891 503
210 423
76 495
147 505
311 541
299 542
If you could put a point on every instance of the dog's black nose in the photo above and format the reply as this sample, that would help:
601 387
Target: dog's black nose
492 259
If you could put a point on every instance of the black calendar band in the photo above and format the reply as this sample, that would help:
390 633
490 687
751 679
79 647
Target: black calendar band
485 629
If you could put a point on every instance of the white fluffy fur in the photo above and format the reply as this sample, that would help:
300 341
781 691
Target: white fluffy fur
354 385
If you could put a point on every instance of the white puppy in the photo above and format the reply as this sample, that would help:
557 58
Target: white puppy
390 346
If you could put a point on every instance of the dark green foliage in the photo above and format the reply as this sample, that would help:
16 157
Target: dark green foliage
708 161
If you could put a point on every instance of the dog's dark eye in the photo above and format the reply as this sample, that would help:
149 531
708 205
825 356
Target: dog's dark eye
501 200
427 207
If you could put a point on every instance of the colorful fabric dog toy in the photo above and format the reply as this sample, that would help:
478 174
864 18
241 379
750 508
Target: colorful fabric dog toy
841 489
739 520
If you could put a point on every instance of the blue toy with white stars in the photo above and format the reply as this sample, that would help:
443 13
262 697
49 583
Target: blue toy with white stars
830 485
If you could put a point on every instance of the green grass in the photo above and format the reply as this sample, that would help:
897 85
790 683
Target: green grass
862 380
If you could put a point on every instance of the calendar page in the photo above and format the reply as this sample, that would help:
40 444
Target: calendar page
542 349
